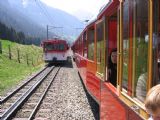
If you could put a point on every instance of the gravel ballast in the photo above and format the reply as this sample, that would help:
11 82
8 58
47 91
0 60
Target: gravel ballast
71 100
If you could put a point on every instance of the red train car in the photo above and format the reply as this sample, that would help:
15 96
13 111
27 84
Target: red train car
130 29
55 50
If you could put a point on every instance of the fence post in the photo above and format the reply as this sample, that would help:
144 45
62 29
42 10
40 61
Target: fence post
37 59
18 55
10 55
32 62
27 59
0 47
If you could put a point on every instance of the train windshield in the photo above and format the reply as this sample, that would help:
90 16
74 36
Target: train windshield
61 47
49 47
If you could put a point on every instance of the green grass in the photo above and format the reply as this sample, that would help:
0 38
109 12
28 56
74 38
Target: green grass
11 71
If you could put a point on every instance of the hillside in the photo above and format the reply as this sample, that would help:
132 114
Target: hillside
32 17
11 70
13 18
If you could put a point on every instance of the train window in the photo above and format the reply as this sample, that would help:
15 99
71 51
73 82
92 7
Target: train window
81 45
99 41
54 47
100 46
49 46
61 47
125 44
156 42
78 46
111 60
91 44
140 51
85 45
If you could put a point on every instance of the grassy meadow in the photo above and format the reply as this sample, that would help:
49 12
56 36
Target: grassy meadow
13 70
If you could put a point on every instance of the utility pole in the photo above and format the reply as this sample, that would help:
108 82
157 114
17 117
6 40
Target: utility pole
51 27
47 32
78 29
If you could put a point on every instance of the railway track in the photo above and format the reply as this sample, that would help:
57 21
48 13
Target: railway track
19 89
25 100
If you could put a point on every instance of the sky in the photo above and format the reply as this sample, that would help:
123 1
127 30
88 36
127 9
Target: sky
82 9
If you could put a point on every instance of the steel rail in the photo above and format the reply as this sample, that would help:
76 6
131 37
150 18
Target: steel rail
7 115
16 90
31 117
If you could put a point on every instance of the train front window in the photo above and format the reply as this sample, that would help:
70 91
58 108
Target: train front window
156 42
140 51
61 47
48 46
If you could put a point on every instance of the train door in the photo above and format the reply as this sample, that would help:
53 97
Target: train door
92 82
111 107
100 51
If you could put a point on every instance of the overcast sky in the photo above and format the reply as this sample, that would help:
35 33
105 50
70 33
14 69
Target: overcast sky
82 9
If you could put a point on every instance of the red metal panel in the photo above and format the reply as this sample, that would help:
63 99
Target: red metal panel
93 85
112 108
132 115
87 73
82 68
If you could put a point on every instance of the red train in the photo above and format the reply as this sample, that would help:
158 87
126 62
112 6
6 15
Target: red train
55 50
118 57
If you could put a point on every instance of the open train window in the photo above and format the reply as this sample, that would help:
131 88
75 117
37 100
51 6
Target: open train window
112 50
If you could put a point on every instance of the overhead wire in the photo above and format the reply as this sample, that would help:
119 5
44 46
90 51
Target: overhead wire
50 18
42 8
45 12
69 26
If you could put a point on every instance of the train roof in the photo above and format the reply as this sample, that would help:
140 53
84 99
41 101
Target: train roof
109 8
90 24
54 41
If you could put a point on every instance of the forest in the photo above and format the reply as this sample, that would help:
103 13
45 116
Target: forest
9 33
